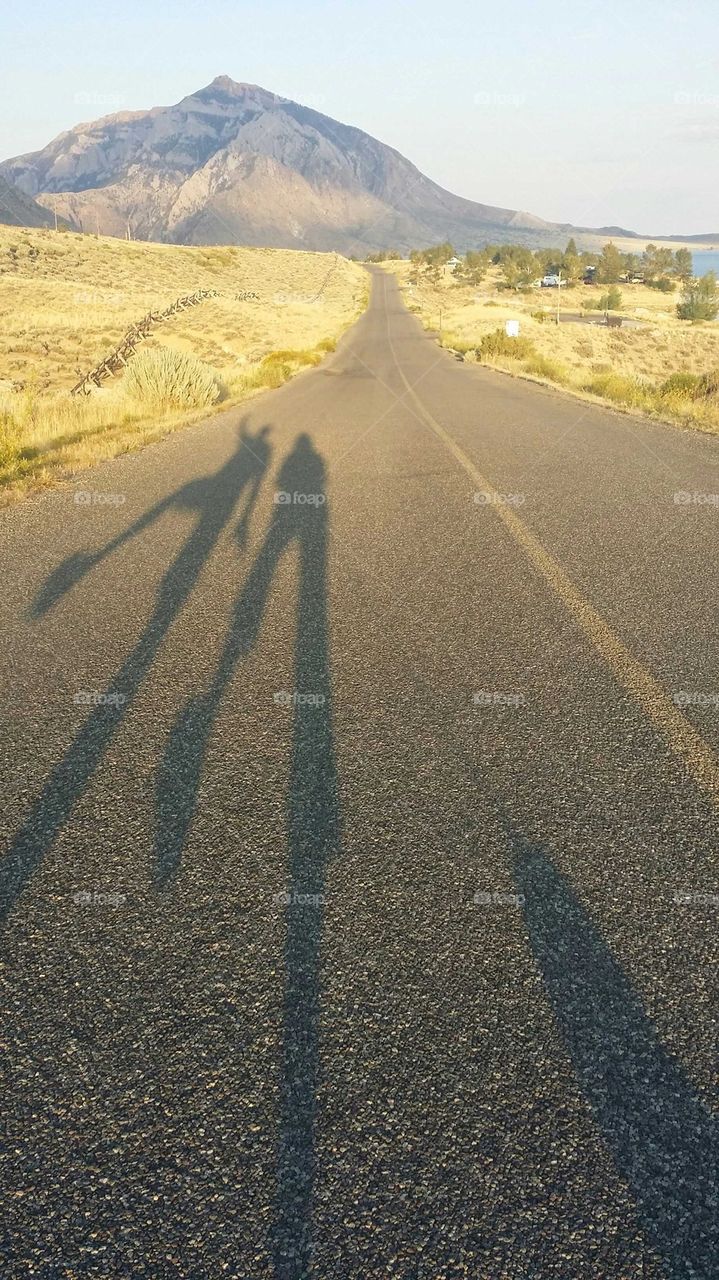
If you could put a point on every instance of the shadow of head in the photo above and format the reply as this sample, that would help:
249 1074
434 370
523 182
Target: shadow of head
648 1111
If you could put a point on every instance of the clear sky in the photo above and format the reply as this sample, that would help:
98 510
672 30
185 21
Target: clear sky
593 111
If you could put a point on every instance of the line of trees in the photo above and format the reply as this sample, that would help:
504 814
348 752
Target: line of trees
657 267
654 266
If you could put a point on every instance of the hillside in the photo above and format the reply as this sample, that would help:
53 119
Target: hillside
66 301
655 363
19 210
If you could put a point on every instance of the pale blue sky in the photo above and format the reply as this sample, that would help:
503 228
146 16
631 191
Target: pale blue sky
592 112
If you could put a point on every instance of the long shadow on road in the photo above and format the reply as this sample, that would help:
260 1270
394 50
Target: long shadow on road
214 499
313 823
313 820
660 1133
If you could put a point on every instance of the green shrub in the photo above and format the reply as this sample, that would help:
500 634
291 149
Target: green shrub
691 386
710 384
621 389
544 367
700 299
279 358
269 374
171 379
682 386
454 343
611 300
663 284
498 343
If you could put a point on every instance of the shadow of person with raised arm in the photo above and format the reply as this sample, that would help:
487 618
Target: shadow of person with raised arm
659 1131
214 498
313 820
252 457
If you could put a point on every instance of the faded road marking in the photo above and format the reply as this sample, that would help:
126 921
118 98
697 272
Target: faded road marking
681 736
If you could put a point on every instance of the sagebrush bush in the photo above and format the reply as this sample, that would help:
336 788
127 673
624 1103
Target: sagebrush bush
455 343
291 357
170 378
709 384
545 367
498 343
631 392
682 386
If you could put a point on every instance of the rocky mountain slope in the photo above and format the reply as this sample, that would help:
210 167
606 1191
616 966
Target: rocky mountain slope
234 164
19 210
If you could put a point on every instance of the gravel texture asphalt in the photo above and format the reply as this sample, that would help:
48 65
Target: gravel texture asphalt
359 885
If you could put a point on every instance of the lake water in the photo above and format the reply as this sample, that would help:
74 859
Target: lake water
705 260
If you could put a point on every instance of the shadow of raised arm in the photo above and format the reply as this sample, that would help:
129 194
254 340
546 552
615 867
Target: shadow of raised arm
191 497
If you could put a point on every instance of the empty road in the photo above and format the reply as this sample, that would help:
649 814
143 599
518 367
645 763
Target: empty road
359 762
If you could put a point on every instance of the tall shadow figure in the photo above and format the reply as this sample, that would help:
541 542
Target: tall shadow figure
214 498
313 824
660 1133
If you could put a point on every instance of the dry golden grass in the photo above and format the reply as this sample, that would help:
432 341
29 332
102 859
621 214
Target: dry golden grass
66 300
624 366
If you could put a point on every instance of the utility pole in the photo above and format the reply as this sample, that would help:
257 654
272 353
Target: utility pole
54 209
440 324
559 292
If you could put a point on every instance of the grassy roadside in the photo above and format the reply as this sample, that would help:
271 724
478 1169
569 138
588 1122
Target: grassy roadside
66 300
661 367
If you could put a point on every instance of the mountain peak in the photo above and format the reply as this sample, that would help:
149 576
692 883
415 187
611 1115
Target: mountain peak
235 88
226 82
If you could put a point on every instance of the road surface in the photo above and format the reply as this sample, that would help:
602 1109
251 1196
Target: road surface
360 770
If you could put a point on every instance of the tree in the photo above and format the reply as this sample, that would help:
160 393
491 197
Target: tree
611 300
439 254
475 266
519 268
657 262
700 299
571 249
683 264
611 265
572 269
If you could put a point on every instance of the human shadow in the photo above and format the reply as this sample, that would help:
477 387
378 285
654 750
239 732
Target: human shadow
660 1133
313 820
214 498
247 466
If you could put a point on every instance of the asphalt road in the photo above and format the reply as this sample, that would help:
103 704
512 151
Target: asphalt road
360 878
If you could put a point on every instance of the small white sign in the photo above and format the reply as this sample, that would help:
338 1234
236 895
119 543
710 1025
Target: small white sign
511 328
